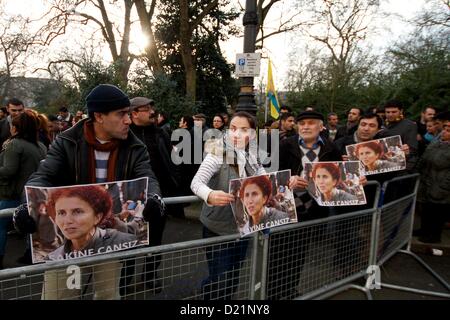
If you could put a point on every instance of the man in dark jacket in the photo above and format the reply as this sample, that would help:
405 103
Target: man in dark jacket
14 107
306 146
98 149
369 128
353 116
157 141
396 124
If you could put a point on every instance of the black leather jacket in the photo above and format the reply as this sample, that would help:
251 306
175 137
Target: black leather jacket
67 161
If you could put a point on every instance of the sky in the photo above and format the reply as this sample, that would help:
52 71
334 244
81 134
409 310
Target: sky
279 47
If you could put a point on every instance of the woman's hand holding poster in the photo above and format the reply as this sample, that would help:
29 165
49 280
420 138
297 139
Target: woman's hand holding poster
379 156
263 202
335 183
86 220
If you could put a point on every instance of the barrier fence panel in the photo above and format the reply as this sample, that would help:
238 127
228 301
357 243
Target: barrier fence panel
394 230
310 259
182 274
395 225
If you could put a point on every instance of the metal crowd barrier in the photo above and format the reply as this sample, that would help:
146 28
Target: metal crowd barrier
395 222
121 275
307 260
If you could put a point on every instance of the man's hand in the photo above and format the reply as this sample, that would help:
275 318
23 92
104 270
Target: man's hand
362 180
405 149
219 198
23 222
296 182
345 157
154 205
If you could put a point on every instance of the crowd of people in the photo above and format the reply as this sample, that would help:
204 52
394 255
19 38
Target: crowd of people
123 139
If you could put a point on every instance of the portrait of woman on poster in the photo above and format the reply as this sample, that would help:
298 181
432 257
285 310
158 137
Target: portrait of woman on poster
327 178
79 213
371 156
255 193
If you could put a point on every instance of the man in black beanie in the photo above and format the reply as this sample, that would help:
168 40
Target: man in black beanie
98 149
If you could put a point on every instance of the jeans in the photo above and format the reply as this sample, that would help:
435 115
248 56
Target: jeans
224 263
5 222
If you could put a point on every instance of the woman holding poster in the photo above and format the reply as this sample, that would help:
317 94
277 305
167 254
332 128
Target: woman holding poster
327 178
255 193
79 213
233 157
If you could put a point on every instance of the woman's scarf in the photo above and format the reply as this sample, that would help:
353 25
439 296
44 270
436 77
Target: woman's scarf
111 146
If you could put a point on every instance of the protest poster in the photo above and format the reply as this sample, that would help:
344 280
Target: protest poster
263 202
86 220
379 156
335 183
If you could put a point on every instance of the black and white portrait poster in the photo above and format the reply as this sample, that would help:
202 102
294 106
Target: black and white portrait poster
335 183
263 202
379 156
86 220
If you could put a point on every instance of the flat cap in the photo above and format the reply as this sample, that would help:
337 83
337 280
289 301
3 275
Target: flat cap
200 115
310 115
140 101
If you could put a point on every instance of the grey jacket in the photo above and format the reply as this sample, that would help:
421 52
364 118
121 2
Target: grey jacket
18 161
220 220
434 168
103 241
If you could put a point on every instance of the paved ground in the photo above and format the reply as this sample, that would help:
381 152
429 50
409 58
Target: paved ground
400 270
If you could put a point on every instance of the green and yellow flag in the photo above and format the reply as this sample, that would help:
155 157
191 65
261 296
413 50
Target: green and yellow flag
271 94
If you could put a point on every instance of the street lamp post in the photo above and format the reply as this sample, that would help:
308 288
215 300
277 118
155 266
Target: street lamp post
246 100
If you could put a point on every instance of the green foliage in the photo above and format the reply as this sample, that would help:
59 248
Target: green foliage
165 93
215 86
423 74
50 97
92 74
415 71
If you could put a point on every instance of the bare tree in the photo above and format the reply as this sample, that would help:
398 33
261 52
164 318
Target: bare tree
287 21
340 25
187 26
115 33
437 16
154 62
15 45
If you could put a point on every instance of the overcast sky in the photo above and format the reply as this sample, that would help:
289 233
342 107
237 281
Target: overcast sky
277 47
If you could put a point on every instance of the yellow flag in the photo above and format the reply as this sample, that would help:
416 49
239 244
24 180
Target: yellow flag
271 94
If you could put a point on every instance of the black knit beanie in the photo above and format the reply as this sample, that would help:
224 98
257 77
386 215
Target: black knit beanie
105 98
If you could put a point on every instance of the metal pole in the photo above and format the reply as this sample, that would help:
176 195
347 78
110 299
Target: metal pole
246 100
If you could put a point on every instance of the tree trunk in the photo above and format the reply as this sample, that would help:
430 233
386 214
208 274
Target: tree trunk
186 51
145 18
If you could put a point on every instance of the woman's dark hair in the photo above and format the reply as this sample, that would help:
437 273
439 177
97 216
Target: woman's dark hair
263 182
374 145
26 125
243 114
332 168
97 197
